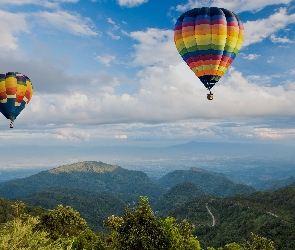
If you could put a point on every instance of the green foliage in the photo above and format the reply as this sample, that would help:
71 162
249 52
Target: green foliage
19 234
9 210
140 229
179 236
258 243
87 240
18 208
62 222
94 207
270 215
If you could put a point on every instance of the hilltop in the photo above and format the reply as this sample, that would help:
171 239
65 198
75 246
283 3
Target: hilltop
88 175
212 183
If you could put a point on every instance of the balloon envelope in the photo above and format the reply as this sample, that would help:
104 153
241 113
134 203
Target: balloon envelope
16 91
208 39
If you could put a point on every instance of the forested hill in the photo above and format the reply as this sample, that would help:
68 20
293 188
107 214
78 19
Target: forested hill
98 191
270 214
88 175
99 177
215 184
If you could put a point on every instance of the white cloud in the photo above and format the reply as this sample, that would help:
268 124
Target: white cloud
122 137
44 3
110 21
113 36
269 133
285 39
106 59
11 25
236 6
154 46
256 31
271 60
70 22
71 134
131 3
250 56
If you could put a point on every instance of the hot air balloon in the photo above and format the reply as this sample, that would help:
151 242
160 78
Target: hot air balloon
208 39
16 91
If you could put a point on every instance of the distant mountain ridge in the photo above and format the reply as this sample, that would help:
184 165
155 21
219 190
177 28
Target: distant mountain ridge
88 175
215 184
99 177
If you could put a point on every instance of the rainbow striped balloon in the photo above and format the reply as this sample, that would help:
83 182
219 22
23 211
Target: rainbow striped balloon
16 90
208 39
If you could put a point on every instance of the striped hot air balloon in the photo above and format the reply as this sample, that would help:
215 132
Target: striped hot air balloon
16 91
208 39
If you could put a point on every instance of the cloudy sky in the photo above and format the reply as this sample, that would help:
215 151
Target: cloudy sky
106 72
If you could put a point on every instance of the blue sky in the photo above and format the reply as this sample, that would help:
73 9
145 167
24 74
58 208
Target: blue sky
106 72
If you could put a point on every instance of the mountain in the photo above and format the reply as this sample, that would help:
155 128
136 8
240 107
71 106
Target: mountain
94 207
177 195
208 182
278 184
270 215
88 175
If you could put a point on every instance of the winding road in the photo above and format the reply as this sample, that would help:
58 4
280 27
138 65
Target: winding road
213 218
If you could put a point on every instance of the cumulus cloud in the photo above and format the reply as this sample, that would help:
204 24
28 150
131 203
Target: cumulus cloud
236 6
250 56
70 22
71 134
256 31
276 39
169 100
122 137
44 3
154 47
106 59
131 3
11 26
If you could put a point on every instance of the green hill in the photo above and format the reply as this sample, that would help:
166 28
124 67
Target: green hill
209 182
176 196
89 175
94 207
98 190
270 215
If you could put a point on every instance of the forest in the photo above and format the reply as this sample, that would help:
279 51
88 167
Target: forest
93 205
138 228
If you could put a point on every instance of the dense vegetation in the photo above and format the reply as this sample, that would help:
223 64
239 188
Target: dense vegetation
211 183
138 228
183 210
91 176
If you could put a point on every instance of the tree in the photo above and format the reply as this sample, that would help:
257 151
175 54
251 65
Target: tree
179 236
19 234
258 243
18 208
140 229
62 222
87 240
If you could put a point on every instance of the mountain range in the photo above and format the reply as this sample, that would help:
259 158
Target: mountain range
98 190
99 177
